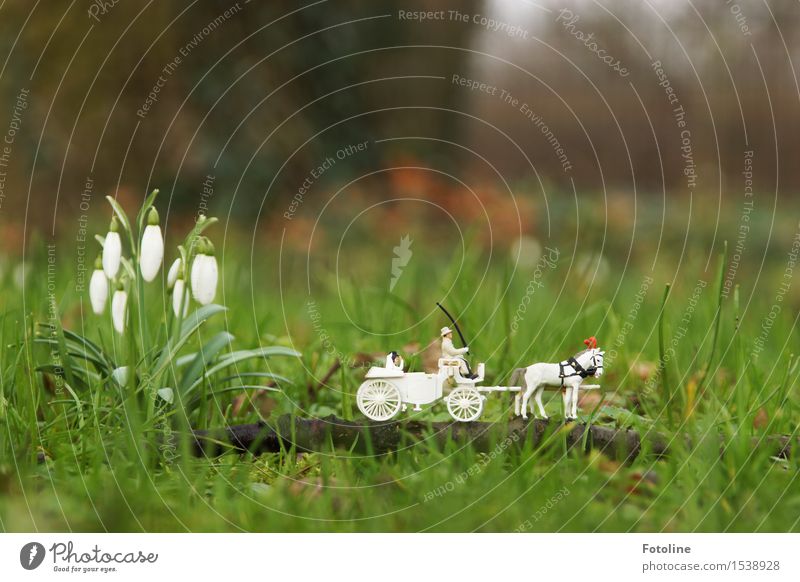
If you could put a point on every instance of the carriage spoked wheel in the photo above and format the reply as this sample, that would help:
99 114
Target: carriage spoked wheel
378 399
465 404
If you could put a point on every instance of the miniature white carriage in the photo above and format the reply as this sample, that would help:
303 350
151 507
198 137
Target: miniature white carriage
387 391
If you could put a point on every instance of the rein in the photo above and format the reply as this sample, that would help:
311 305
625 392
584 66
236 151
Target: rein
579 370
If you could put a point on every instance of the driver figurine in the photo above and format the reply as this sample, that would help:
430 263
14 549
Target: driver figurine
450 352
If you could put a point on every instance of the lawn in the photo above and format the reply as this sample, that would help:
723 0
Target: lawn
85 445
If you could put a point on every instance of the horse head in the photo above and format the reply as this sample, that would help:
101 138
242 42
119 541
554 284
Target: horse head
597 361
592 359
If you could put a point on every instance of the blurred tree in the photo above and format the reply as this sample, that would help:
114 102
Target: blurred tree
255 81
146 94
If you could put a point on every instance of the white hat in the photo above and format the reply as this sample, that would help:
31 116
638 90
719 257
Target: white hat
446 330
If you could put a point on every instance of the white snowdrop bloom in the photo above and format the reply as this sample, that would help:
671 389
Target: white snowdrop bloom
204 274
98 289
121 375
194 274
204 279
119 310
112 250
178 292
172 274
152 250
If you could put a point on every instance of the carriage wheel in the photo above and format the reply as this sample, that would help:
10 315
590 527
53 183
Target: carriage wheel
378 399
465 404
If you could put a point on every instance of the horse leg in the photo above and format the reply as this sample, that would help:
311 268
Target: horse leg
530 385
524 406
575 394
518 376
539 392
565 392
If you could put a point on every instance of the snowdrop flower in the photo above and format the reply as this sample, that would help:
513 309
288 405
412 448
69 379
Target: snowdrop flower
152 250
98 288
119 308
204 273
112 250
172 274
180 292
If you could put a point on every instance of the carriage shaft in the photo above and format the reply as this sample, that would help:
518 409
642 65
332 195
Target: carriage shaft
499 388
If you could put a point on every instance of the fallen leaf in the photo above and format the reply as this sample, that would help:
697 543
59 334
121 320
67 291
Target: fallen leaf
589 400
761 418
361 360
249 401
639 483
430 357
645 369
411 348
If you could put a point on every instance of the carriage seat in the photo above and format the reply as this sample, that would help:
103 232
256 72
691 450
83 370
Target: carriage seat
449 362
379 372
453 364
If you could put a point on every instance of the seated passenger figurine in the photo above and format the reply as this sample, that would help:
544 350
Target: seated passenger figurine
394 361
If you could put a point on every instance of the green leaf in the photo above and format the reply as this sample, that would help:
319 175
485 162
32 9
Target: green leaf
123 218
129 268
183 360
78 404
203 358
82 341
237 357
59 371
98 365
623 418
66 361
92 351
77 350
267 375
199 228
265 352
189 326
148 202
234 389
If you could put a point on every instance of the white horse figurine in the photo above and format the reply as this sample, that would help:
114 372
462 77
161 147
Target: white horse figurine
568 375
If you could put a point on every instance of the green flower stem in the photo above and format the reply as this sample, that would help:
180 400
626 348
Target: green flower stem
151 387
187 252
136 315
723 259
150 390
662 360
132 407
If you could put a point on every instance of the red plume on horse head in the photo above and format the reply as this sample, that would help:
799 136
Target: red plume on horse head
591 343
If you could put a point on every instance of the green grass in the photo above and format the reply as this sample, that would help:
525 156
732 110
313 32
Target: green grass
112 464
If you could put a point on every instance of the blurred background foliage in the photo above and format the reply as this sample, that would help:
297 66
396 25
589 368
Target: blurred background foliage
248 123
278 76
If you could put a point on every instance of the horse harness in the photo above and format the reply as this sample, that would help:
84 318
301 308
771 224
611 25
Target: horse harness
578 369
